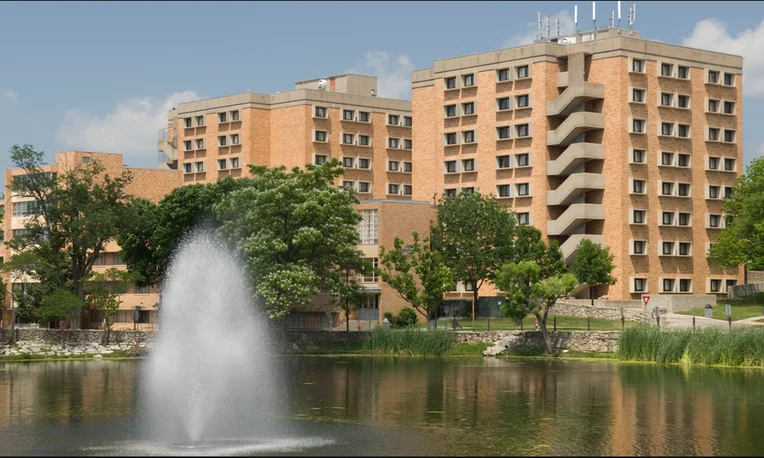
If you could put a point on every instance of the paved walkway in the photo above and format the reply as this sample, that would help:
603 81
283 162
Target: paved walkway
676 320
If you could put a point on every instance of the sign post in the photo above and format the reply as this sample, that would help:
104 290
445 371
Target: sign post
728 309
645 299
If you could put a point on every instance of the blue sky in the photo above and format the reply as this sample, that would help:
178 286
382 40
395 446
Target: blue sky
100 76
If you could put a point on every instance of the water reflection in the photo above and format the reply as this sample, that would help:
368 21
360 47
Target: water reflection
449 406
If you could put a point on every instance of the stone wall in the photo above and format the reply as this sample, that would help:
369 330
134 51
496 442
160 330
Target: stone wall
603 313
76 342
745 290
506 341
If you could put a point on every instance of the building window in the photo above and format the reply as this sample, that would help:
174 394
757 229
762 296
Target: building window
667 159
235 115
371 276
638 95
393 120
503 132
715 285
683 160
469 80
26 208
683 190
666 99
713 77
320 136
682 72
639 246
393 143
729 107
364 186
729 136
713 192
407 143
713 105
728 190
684 219
667 218
638 125
685 248
522 71
364 163
667 70
187 167
200 120
364 116
730 283
187 122
347 139
729 164
469 190
407 167
668 285
523 160
392 166
368 227
347 184
685 285
320 159
640 284
320 112
407 121
667 128
468 108
524 219
683 101
222 164
729 79
468 165
222 117
683 131
200 166
503 74
348 162
713 163
406 189
469 136
668 248
504 190
393 189
234 139
234 162
523 189
451 138
638 186
199 143
451 83
639 216
523 130
187 145
503 103
449 192
348 115
637 65
523 101
142 289
714 220
450 111
638 156
363 140
222 140
667 188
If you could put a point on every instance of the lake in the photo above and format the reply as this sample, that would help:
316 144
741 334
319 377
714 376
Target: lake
409 406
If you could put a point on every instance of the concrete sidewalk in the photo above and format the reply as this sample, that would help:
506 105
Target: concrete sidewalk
676 320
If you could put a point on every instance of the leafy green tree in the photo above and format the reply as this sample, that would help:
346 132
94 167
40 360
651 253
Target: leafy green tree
527 291
349 295
474 234
152 232
417 273
103 293
80 210
593 265
296 231
742 240
58 306
22 270
530 246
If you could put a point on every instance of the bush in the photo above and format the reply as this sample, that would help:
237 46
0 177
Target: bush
409 342
406 318
736 347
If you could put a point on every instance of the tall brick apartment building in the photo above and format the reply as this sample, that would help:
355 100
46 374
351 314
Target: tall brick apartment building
627 142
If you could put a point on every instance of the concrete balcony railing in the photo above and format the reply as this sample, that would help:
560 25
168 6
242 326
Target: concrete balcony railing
573 156
562 79
574 216
570 246
574 95
573 187
575 124
170 152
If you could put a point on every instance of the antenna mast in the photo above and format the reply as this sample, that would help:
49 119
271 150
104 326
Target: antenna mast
594 18
557 27
548 29
540 32
575 17
611 18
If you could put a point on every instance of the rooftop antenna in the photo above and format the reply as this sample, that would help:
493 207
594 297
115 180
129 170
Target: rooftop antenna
611 18
557 27
540 33
631 20
548 29
619 14
575 17
594 18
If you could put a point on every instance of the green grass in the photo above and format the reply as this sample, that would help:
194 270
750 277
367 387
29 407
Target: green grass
464 349
742 346
744 307
413 342
564 323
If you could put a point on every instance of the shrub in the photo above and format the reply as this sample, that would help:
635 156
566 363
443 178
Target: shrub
406 318
409 342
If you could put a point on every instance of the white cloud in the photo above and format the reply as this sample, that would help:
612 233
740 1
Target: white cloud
527 37
10 95
393 73
712 34
130 128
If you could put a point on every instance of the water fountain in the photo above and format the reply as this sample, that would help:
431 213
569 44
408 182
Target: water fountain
209 377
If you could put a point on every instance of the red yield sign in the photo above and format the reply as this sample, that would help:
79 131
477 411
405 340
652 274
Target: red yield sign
645 299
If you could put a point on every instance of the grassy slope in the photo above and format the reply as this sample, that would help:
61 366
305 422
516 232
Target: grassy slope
564 323
745 307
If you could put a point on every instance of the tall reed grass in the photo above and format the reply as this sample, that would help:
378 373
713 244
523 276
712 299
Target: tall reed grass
711 346
409 342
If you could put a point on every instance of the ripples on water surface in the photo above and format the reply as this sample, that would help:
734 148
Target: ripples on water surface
397 406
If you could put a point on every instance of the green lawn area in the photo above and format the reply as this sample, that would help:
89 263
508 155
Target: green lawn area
745 307
564 323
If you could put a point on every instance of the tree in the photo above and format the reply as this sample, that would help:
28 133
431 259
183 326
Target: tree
296 231
742 240
152 232
593 265
417 273
527 291
349 294
474 234
22 269
79 210
529 246
103 293
58 306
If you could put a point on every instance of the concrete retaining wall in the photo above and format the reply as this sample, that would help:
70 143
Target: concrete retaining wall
745 290
506 341
605 313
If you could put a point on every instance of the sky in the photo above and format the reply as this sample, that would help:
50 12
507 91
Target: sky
102 76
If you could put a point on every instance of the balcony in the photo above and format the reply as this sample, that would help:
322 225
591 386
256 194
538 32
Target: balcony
570 246
573 156
167 148
573 96
575 124
573 217
573 187
562 79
